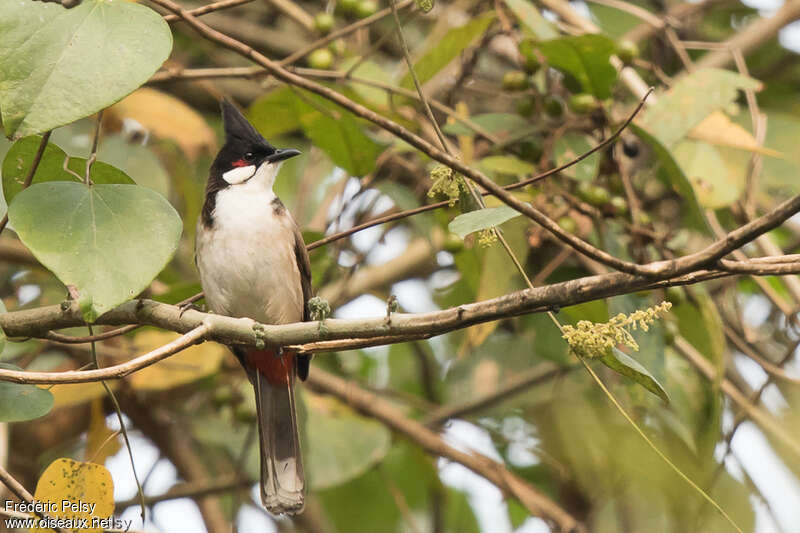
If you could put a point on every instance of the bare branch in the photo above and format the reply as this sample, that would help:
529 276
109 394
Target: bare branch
537 503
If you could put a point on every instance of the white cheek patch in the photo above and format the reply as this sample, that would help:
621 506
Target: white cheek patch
239 174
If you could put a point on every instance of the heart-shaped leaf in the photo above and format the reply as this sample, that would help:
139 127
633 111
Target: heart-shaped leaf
77 491
58 65
108 241
18 161
22 402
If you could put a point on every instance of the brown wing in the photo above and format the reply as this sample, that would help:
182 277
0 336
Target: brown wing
304 265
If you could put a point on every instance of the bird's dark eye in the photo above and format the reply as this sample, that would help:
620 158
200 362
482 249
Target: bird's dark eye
249 156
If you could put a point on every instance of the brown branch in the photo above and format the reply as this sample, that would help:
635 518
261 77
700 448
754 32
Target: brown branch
158 426
764 420
525 380
537 503
400 327
209 8
754 35
769 367
522 183
20 492
189 490
123 369
29 176
418 142
347 30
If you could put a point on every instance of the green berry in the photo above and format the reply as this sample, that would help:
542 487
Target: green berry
593 194
582 103
618 205
347 7
323 23
526 106
515 80
553 106
366 8
530 151
321 59
643 218
627 51
568 224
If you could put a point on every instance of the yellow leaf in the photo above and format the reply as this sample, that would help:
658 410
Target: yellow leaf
102 442
79 493
166 117
718 129
77 393
193 363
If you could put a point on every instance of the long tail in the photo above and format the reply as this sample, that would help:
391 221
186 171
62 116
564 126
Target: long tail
282 478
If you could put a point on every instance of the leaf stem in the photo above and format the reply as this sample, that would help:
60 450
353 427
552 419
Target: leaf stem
117 409
655 448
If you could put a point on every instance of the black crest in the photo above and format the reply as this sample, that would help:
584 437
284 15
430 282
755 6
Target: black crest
243 146
237 129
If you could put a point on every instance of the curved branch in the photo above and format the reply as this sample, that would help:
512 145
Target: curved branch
537 503
399 327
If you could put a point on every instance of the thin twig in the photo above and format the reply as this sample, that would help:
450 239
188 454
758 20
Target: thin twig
209 8
535 502
110 393
415 140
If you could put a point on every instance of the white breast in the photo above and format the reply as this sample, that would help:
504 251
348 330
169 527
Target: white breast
246 260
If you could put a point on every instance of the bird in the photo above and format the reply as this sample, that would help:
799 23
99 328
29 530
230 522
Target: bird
253 263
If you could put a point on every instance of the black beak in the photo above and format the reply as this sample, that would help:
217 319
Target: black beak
281 155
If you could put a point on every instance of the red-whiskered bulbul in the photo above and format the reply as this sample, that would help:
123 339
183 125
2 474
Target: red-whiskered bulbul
253 263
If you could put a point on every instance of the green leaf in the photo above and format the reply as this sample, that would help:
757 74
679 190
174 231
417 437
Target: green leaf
502 123
109 241
672 173
341 136
274 114
715 183
137 161
331 128
570 146
532 21
613 21
19 158
447 49
586 58
623 364
58 65
691 100
342 445
22 402
506 164
481 219
700 323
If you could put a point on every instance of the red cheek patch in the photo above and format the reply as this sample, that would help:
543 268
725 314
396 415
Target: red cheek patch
240 163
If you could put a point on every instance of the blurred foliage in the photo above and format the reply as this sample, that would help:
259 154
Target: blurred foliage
517 93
